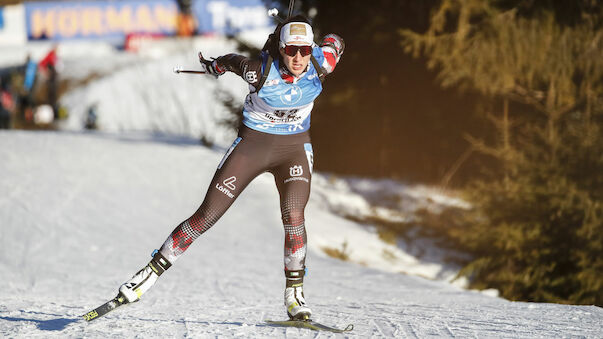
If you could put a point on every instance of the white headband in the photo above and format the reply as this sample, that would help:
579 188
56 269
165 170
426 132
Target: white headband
297 33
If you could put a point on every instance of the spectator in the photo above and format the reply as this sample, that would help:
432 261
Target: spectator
49 65
30 74
6 106
29 81
91 117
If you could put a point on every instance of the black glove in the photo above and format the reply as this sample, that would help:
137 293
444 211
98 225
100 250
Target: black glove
211 66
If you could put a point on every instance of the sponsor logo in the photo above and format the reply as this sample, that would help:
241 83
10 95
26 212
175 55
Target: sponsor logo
251 76
297 29
283 116
292 95
272 82
290 113
263 126
297 179
293 128
229 183
296 173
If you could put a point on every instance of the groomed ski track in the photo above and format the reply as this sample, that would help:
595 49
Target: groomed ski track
80 213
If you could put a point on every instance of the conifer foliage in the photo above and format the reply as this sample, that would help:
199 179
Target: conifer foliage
536 230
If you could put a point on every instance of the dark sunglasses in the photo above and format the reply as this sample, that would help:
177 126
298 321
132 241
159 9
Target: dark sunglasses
303 50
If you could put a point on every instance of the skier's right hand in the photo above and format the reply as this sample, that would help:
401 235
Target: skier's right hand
211 66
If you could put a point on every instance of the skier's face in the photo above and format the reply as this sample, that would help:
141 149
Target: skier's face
297 63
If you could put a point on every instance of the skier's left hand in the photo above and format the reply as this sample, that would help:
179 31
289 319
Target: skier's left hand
211 66
335 42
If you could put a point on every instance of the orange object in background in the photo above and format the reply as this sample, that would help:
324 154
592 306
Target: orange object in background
186 25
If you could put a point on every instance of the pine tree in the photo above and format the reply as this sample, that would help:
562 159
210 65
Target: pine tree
537 226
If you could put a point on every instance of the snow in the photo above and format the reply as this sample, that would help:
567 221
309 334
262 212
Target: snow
80 212
141 92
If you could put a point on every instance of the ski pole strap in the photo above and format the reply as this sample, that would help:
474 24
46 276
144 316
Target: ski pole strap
265 73
319 69
159 263
299 274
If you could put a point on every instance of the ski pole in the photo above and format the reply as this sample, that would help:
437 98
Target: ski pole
291 5
179 69
273 12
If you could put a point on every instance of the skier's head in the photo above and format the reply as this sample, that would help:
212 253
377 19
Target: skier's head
296 40
296 33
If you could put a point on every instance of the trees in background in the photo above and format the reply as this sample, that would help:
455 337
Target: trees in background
504 97
537 227
381 113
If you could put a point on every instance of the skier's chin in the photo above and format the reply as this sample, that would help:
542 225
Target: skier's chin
297 69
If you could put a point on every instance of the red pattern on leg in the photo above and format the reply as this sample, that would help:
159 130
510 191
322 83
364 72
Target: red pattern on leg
294 242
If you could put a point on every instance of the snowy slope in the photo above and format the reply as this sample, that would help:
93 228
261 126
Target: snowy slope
80 213
140 92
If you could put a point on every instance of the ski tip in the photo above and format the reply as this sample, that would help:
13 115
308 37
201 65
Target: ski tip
309 324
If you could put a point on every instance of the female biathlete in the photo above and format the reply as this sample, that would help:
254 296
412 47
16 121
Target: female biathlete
274 137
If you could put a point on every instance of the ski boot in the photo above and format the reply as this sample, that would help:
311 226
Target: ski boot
142 281
294 296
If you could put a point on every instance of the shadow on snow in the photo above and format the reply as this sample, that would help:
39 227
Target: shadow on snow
58 324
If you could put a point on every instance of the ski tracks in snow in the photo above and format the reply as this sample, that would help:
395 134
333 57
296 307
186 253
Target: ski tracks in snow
228 283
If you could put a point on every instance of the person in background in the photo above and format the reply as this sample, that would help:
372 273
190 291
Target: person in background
6 105
91 117
26 100
49 65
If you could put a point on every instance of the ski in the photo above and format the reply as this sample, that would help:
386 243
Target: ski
105 308
310 324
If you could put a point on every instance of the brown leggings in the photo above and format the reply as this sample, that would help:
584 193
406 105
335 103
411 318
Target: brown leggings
287 157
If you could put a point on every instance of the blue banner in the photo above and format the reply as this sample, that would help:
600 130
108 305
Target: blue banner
230 16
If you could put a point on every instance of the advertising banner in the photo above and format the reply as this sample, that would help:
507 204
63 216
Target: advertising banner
230 16
114 20
99 19
12 25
